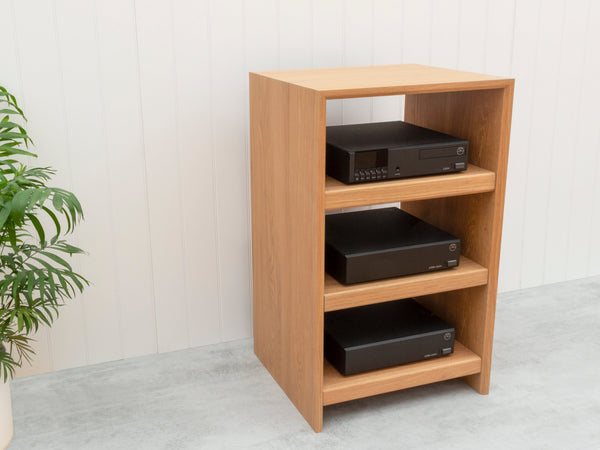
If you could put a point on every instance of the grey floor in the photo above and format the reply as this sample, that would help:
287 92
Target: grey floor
545 394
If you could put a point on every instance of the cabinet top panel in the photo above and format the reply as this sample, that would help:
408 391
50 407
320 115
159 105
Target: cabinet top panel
369 81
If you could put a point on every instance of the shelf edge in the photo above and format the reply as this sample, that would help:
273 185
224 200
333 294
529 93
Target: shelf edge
474 180
338 388
467 274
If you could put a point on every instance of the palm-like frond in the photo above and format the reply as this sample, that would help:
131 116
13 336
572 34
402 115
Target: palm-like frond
36 277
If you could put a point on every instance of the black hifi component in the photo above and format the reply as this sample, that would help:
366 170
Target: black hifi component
382 243
388 150
383 335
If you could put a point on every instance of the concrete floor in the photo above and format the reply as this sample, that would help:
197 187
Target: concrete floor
545 394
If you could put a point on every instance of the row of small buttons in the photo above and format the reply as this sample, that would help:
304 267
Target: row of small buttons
379 173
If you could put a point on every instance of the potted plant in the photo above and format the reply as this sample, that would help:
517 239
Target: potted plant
36 278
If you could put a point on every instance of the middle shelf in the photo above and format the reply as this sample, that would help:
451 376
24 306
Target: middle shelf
467 274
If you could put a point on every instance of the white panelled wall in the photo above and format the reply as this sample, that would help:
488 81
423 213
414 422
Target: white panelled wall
142 106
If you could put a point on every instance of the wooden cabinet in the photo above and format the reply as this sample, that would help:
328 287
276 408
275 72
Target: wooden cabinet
291 193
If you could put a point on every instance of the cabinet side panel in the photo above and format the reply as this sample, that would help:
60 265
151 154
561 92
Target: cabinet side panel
287 126
483 117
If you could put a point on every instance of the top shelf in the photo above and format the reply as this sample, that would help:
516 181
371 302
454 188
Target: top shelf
370 81
474 180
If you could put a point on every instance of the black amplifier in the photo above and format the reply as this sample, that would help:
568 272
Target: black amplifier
388 150
382 243
383 335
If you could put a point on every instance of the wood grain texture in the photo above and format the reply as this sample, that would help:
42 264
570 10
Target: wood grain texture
371 81
287 126
338 388
472 181
339 296
289 201
483 117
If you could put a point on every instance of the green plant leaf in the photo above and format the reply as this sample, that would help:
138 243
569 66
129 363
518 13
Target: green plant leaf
12 237
56 223
70 225
12 135
14 151
57 202
4 213
39 228
5 124
57 259
35 280
31 281
21 203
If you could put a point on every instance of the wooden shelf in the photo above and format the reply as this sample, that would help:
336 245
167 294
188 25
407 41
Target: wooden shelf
290 197
370 81
467 274
474 180
338 388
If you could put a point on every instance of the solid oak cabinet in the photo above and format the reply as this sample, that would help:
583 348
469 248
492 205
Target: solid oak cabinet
291 193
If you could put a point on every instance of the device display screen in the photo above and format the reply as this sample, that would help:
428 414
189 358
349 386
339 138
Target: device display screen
370 159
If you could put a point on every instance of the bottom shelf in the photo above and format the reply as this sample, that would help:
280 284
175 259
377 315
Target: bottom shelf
338 388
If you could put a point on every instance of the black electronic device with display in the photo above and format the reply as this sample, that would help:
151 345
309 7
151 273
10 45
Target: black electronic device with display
384 335
382 243
389 150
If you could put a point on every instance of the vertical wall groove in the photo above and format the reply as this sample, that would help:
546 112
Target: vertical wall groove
17 58
179 171
247 160
485 36
584 202
115 272
44 360
553 132
530 141
80 306
597 158
147 195
211 102
512 36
